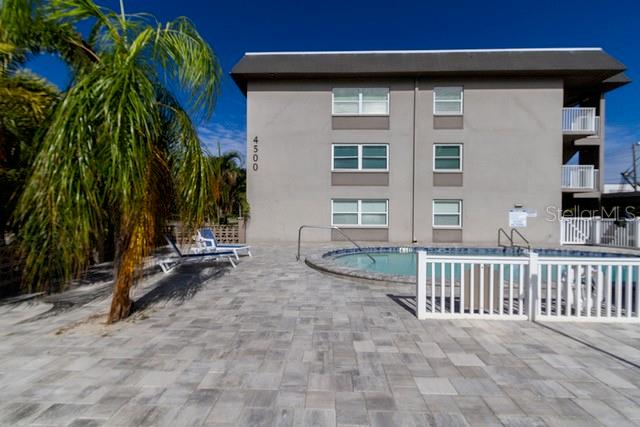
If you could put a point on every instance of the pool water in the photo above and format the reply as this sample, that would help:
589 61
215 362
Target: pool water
397 263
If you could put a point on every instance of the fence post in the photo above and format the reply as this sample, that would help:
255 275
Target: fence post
421 285
533 297
636 233
596 232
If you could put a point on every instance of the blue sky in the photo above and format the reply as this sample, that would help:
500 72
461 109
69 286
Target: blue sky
235 27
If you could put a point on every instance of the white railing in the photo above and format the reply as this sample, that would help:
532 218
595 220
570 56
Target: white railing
579 120
576 231
471 287
624 233
579 289
527 287
579 177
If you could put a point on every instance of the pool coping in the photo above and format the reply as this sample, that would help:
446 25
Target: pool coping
324 262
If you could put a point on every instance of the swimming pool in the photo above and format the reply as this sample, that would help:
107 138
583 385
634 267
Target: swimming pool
401 262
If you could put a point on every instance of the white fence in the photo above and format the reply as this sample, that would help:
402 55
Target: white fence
617 233
579 120
623 233
576 231
470 286
527 287
579 289
579 177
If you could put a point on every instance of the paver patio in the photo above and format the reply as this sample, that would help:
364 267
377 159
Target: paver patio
274 342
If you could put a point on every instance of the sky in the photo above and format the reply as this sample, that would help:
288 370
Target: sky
235 27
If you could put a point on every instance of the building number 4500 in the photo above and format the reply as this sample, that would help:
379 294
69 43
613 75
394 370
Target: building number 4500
255 154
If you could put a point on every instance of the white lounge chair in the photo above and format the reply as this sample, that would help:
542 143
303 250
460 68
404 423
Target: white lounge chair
206 238
168 264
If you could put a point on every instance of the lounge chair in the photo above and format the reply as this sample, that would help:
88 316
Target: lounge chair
208 242
168 264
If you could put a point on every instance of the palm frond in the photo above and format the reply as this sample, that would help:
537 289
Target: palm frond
186 57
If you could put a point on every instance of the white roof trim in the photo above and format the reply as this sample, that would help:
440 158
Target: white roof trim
355 52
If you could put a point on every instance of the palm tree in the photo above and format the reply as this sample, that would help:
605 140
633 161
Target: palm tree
228 184
25 102
120 147
26 99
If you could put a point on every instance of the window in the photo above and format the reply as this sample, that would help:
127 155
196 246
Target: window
360 157
447 157
357 102
369 213
447 101
447 214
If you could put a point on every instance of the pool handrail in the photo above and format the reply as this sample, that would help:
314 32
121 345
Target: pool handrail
514 230
501 232
512 244
329 227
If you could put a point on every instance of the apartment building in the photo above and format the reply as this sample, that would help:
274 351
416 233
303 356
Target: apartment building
426 146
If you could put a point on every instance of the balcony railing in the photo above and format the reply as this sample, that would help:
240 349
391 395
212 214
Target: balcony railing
579 177
579 120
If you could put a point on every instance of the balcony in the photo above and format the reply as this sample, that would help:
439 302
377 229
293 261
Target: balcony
579 177
580 121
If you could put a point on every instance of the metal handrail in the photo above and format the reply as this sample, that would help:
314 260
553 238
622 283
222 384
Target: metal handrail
500 232
513 230
328 227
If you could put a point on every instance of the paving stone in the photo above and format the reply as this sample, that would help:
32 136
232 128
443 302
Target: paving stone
435 386
320 400
86 422
379 401
60 413
364 346
441 419
522 421
256 417
603 412
409 399
274 342
476 387
394 418
465 359
290 399
318 418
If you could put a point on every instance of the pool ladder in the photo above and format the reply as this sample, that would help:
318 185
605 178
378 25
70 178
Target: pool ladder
329 227
510 236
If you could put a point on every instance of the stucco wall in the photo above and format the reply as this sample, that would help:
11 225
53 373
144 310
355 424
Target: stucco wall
512 137
512 154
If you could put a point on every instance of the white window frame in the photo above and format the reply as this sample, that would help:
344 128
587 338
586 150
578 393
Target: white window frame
360 157
438 144
360 113
433 214
360 213
461 101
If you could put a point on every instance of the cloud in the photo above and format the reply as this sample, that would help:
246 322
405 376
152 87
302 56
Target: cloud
618 150
229 138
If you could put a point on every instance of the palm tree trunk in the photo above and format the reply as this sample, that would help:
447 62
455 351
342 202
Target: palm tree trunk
124 273
136 239
121 303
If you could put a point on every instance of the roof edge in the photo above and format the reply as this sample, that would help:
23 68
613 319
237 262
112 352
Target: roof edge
369 52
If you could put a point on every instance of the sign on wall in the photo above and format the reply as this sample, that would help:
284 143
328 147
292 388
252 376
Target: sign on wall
518 218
